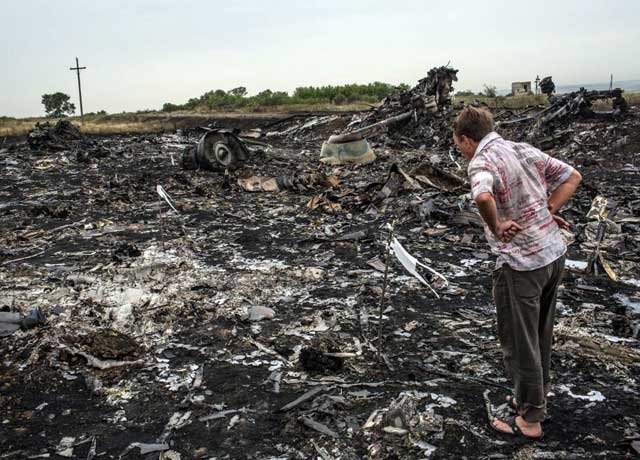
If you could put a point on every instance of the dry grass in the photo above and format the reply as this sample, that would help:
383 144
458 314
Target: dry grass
512 102
632 98
16 126
98 124
161 121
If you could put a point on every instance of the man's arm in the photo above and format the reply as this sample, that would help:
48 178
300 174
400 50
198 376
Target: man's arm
504 230
564 192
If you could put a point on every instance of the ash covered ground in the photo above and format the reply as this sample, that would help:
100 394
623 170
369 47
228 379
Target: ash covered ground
192 334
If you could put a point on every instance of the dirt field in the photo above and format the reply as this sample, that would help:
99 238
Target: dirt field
166 304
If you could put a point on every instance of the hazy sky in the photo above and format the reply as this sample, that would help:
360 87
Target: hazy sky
142 53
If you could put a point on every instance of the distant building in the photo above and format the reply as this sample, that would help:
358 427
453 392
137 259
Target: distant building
520 87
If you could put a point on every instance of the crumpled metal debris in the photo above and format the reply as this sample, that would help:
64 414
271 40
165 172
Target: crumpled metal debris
410 118
547 126
298 182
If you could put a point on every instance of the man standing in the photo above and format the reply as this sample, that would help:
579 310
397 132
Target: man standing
519 190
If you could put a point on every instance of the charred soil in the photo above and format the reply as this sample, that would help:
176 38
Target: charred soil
153 336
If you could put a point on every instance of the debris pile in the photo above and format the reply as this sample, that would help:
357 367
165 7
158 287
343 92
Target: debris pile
544 125
420 116
57 137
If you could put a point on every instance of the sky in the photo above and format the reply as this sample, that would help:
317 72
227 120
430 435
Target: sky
140 54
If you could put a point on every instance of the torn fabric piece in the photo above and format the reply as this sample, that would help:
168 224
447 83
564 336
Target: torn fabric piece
410 263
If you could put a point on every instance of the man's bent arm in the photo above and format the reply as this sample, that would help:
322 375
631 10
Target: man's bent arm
505 230
488 210
564 192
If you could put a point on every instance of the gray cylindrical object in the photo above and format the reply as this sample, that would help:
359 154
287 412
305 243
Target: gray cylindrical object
9 323
11 318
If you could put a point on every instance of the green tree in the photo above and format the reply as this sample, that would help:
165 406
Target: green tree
339 99
57 105
240 91
169 107
490 91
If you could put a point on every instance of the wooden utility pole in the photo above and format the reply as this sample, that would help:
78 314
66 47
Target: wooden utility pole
77 68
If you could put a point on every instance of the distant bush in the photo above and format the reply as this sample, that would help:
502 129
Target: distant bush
490 91
339 99
169 107
465 93
306 95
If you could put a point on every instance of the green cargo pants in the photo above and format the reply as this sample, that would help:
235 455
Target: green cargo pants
526 305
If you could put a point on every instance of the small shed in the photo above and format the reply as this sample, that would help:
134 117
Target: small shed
520 87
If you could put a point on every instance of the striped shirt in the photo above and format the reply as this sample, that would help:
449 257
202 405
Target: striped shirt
520 177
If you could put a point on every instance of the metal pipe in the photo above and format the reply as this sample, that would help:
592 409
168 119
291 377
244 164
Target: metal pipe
361 133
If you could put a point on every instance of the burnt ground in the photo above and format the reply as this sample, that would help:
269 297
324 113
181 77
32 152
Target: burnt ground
160 301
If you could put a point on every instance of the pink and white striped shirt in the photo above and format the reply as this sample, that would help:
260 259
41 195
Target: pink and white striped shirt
520 177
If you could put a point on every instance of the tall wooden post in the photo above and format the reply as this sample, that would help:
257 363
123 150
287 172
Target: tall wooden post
77 68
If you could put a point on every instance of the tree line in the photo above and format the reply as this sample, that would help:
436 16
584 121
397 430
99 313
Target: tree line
305 95
58 104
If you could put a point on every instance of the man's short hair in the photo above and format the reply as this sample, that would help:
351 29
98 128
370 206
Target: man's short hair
474 123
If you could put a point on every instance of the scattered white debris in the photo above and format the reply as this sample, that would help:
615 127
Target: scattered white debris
575 264
427 448
440 401
65 447
170 455
395 430
627 302
593 395
258 313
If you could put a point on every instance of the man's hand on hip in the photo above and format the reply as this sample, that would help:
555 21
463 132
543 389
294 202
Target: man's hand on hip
561 222
507 230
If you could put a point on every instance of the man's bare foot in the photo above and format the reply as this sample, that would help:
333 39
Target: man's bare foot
528 430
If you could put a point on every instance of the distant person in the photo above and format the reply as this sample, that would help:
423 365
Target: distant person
519 190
